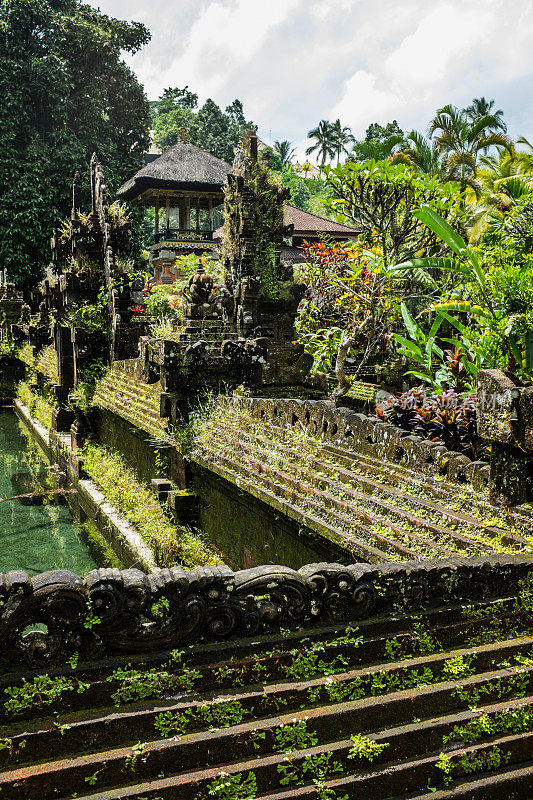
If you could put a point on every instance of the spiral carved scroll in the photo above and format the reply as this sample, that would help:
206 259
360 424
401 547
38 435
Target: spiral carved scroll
44 620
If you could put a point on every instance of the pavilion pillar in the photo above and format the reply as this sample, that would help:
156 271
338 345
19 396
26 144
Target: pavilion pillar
167 226
198 213
210 214
156 220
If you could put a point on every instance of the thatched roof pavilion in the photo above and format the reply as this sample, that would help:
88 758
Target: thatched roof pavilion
188 184
182 168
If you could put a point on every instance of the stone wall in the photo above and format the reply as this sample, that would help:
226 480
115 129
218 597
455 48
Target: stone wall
248 531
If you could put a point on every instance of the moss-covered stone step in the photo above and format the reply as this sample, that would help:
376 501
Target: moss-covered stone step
406 682
310 489
359 498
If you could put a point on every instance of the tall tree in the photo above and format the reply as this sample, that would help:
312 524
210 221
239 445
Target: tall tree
324 137
380 133
285 151
66 92
421 153
376 149
480 107
216 131
380 142
461 142
342 137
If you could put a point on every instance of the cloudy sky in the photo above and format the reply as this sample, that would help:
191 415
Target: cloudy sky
294 62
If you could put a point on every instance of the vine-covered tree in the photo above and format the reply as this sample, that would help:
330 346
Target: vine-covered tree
66 92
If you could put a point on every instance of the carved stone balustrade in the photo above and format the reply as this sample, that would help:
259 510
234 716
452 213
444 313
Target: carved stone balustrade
505 419
46 619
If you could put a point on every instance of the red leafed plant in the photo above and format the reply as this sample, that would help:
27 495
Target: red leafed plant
447 418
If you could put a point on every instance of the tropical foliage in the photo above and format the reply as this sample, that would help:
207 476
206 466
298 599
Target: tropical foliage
216 131
66 92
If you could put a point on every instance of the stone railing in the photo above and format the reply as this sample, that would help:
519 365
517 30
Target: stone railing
349 430
46 619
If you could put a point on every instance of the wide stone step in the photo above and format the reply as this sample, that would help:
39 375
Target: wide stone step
418 525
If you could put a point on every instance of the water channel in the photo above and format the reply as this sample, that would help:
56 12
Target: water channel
34 538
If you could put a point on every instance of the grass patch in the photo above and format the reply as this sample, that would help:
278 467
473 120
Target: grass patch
120 485
37 405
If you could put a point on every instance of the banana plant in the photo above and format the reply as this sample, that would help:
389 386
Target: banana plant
466 263
421 347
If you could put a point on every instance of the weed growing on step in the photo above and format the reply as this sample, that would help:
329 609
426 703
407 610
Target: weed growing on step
315 768
365 749
219 714
91 779
457 667
62 728
42 691
135 685
512 720
306 664
232 787
502 686
137 753
471 762
293 736
418 642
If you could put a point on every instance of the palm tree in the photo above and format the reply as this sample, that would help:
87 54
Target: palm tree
420 153
376 149
285 151
325 144
342 136
459 143
524 157
480 107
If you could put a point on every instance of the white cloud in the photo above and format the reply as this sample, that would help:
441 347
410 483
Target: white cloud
438 46
363 101
224 37
294 62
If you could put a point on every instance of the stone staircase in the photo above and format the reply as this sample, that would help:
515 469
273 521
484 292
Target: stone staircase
437 704
376 509
124 393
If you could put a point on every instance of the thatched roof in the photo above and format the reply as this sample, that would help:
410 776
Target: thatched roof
183 166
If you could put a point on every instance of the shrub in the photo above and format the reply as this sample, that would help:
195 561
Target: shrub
447 418
121 487
37 405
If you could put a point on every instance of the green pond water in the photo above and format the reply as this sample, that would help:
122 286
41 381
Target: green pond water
33 538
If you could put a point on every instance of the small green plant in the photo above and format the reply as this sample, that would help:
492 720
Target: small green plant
305 664
233 787
137 752
73 660
62 728
42 691
457 667
315 767
364 748
293 736
219 714
135 685
444 763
